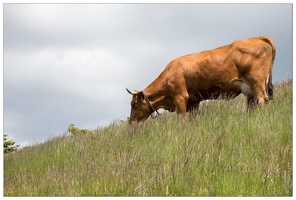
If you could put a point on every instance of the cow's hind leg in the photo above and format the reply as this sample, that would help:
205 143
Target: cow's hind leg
248 91
270 89
251 101
258 85
258 94
261 94
257 79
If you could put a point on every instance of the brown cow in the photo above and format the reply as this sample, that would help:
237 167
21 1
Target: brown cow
245 66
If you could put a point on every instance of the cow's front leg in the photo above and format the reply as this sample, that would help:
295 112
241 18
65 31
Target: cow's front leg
181 103
192 107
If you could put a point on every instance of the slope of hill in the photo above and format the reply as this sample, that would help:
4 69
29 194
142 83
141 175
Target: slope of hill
221 150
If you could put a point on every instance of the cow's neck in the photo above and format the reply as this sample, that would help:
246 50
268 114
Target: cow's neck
156 94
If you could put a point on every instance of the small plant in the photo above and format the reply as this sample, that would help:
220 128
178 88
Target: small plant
9 145
76 131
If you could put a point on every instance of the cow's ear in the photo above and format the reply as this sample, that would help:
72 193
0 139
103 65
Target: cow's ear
141 95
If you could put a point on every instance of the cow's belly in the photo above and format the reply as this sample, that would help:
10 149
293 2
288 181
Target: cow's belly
215 92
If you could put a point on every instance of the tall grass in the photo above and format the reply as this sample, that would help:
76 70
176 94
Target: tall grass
221 150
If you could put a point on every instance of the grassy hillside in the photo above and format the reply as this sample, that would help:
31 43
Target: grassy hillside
221 150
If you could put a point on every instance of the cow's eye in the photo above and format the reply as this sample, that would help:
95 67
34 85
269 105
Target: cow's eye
134 105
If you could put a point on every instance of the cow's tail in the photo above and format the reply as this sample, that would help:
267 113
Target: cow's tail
269 85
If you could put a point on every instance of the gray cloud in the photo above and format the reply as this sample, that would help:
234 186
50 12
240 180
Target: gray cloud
70 63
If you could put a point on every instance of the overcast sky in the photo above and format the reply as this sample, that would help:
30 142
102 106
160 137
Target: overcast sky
71 63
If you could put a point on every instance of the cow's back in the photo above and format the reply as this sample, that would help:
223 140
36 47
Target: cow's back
204 69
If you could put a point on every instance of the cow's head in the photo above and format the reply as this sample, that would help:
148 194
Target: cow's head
139 108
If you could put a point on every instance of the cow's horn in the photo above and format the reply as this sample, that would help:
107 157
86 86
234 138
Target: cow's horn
132 93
